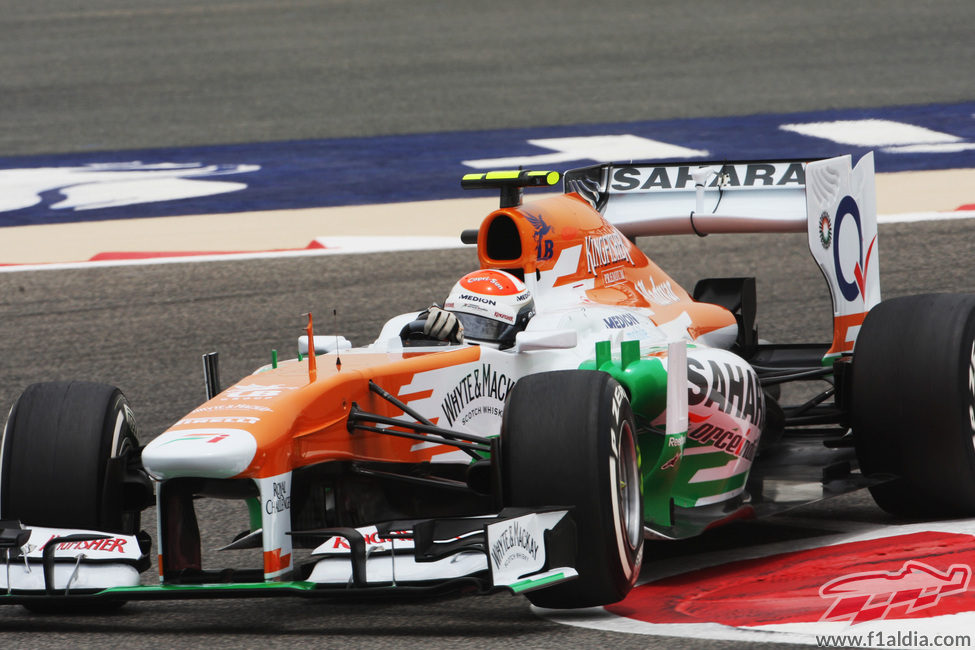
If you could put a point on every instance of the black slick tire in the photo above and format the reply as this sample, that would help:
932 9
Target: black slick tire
568 439
913 403
64 450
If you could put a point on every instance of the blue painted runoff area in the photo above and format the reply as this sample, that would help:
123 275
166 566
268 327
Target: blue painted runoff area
353 171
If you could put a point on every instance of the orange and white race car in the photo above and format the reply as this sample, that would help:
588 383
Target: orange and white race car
619 407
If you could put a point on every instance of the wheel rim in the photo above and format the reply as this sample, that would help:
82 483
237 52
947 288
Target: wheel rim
628 487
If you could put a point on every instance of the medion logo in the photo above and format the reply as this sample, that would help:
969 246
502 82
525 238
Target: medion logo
644 179
473 298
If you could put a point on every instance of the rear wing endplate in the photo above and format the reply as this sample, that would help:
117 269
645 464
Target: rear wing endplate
829 199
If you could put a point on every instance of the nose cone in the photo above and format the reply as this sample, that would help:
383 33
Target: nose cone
205 453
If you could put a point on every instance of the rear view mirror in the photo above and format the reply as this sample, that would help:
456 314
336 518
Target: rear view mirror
546 340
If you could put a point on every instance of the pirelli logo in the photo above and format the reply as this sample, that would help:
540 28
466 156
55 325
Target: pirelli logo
681 177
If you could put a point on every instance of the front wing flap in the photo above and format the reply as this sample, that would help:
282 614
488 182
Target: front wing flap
518 549
49 561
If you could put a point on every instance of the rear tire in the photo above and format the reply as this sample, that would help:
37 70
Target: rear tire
65 451
569 439
913 403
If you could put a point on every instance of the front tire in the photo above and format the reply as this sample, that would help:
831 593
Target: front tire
569 439
67 451
913 403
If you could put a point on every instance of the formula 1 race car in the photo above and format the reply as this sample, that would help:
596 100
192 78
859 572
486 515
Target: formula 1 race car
625 409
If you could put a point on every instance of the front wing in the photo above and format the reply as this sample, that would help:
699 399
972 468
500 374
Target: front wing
517 550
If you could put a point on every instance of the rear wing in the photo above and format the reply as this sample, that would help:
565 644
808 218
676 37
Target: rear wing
829 199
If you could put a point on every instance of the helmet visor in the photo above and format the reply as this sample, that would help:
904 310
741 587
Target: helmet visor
482 328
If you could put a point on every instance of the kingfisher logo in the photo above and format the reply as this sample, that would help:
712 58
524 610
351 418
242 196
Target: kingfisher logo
871 595
606 249
857 286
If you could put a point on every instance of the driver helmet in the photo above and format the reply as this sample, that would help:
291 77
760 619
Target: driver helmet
492 305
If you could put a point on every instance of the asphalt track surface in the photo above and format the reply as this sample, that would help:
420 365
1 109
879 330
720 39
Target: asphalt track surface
184 73
113 74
